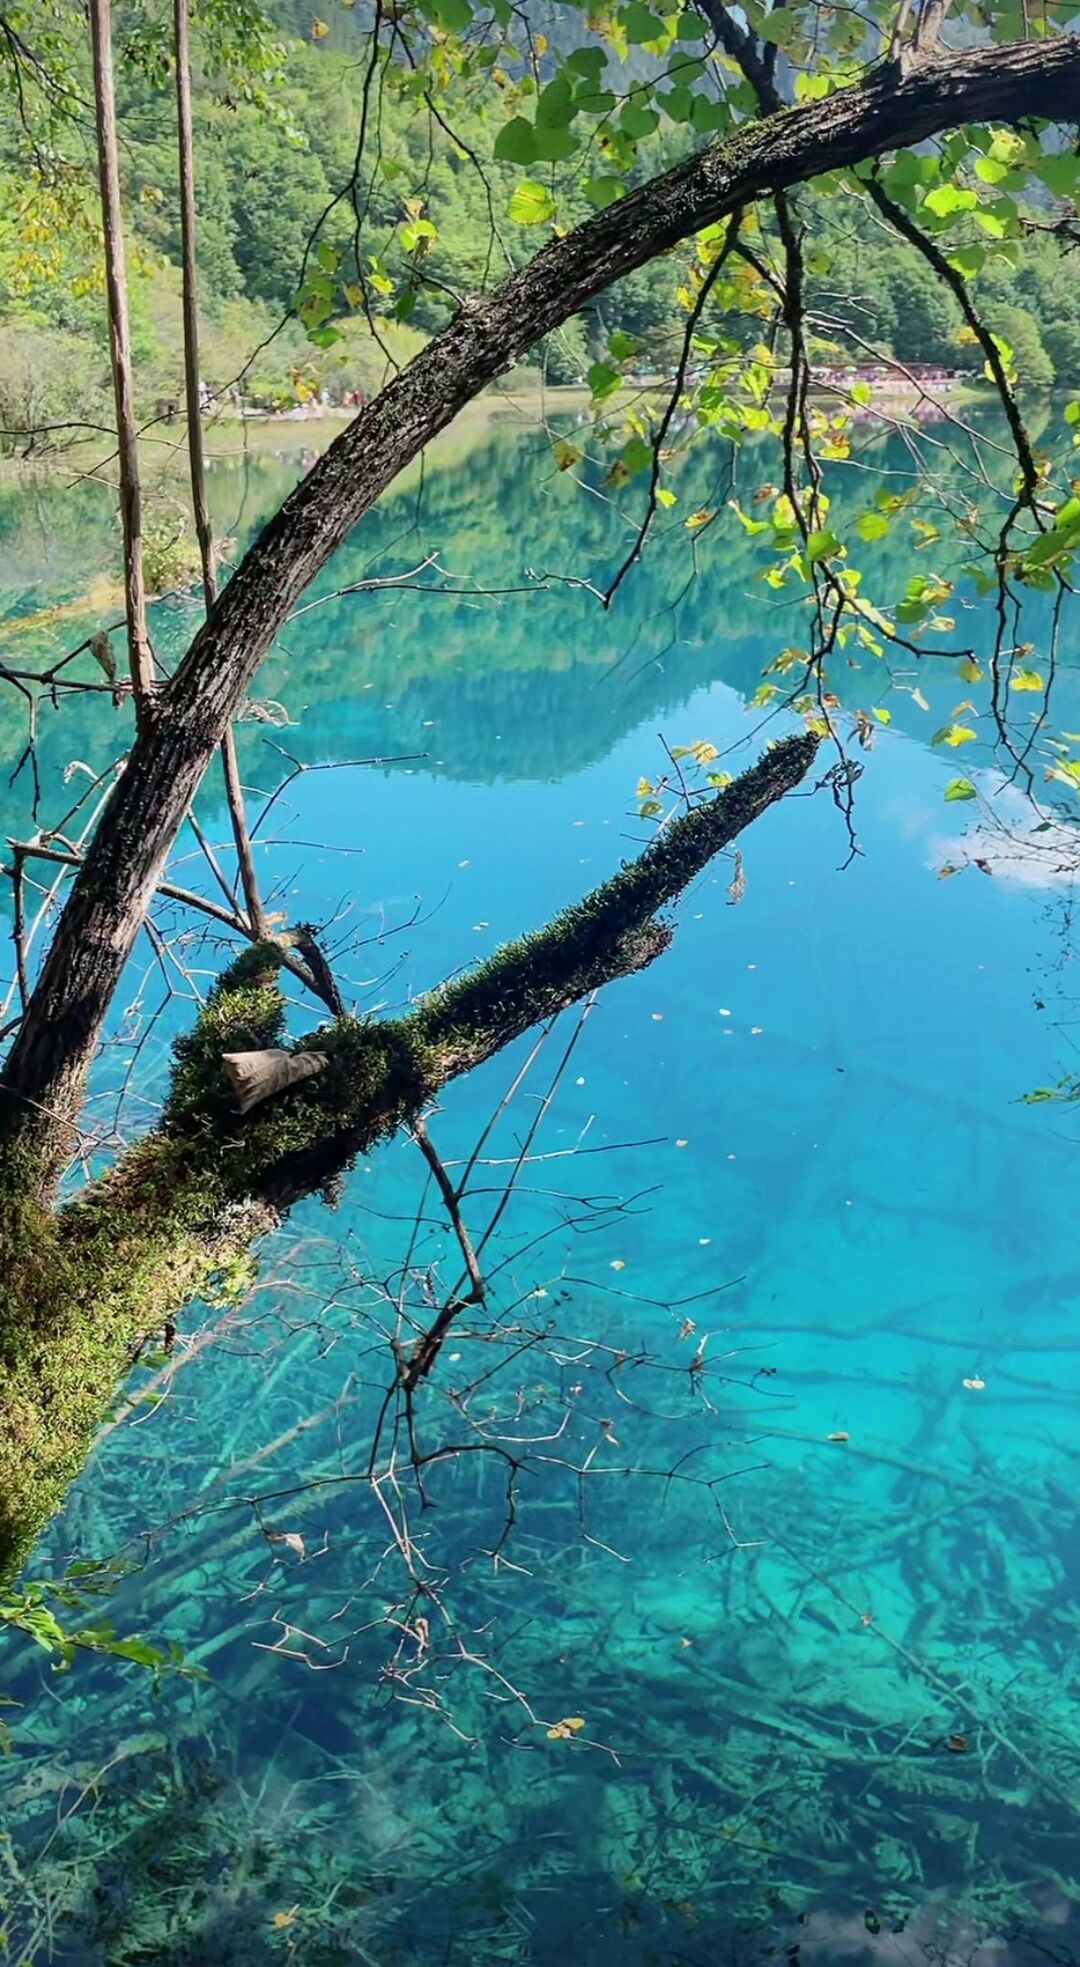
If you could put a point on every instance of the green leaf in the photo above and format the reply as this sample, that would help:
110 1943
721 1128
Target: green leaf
589 62
678 104
516 142
553 146
555 105
1060 173
948 199
603 380
639 24
872 526
638 121
968 260
821 545
454 15
780 26
531 203
960 789
637 456
622 345
603 192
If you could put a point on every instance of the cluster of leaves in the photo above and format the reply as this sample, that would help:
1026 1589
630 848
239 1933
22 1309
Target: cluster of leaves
36 1610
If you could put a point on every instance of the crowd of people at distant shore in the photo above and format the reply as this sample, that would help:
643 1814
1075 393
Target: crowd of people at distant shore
232 402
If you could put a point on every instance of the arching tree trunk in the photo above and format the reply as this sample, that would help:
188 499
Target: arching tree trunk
46 1071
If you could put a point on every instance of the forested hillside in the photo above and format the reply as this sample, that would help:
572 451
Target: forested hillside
275 167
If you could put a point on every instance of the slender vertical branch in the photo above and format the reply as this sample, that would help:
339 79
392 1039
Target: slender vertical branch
234 791
140 655
18 931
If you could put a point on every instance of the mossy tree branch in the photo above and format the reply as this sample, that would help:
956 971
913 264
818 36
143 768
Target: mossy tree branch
86 1285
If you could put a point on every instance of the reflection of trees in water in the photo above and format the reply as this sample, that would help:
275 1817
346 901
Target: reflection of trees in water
524 686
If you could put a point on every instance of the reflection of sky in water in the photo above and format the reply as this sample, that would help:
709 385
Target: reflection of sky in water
778 1644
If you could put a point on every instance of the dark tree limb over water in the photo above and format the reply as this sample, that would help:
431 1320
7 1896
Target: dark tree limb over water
46 1072
86 1285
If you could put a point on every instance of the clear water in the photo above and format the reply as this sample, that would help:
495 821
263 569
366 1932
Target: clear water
828 1685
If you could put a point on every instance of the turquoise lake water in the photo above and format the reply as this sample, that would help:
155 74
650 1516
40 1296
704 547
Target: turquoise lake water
782 1340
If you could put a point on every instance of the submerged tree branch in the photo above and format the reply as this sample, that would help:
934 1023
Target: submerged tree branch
140 658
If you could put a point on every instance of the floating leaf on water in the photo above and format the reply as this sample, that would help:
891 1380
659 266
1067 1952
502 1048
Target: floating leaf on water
290 1538
840 1435
682 1143
618 1263
957 1743
975 1384
567 1728
944 873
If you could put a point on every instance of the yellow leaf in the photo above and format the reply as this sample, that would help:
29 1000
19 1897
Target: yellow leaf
1026 679
969 670
698 519
566 1729
319 30
618 1263
282 1919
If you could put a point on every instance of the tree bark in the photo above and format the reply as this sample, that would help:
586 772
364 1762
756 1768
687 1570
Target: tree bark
46 1071
140 657
85 1286
234 790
